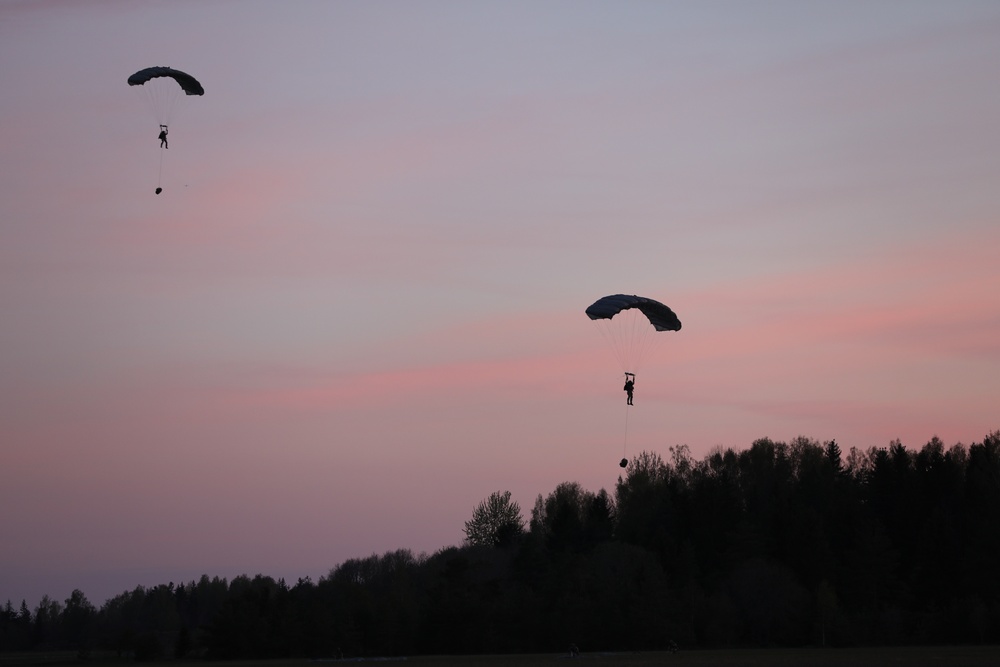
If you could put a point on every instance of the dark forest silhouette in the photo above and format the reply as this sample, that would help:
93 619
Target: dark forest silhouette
781 544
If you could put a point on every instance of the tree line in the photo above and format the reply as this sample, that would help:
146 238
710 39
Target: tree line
781 544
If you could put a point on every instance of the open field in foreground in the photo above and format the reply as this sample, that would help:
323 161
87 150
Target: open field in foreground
925 656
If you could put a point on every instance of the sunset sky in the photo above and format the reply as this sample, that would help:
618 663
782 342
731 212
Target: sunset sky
357 308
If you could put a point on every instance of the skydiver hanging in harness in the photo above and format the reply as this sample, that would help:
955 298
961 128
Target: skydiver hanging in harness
629 386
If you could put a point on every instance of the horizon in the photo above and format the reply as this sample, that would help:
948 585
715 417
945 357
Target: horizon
525 514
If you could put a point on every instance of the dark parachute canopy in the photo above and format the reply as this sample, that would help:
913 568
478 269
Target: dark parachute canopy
660 316
628 323
163 88
188 83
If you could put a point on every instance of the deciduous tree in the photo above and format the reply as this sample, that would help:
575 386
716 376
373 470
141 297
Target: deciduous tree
496 521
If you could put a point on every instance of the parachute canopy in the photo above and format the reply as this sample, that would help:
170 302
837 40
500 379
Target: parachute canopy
660 316
627 322
162 89
188 83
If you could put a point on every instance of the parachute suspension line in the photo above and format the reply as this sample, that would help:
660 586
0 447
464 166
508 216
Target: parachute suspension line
162 97
641 338
630 337
608 334
159 175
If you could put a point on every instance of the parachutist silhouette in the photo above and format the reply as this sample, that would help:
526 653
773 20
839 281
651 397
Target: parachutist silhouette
622 320
162 88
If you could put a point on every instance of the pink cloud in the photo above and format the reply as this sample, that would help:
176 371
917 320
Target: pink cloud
925 296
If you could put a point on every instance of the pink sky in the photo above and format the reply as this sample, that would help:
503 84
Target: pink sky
356 310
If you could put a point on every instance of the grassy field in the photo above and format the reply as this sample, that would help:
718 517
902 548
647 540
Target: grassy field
926 656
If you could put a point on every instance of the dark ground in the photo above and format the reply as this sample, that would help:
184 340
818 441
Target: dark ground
924 656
